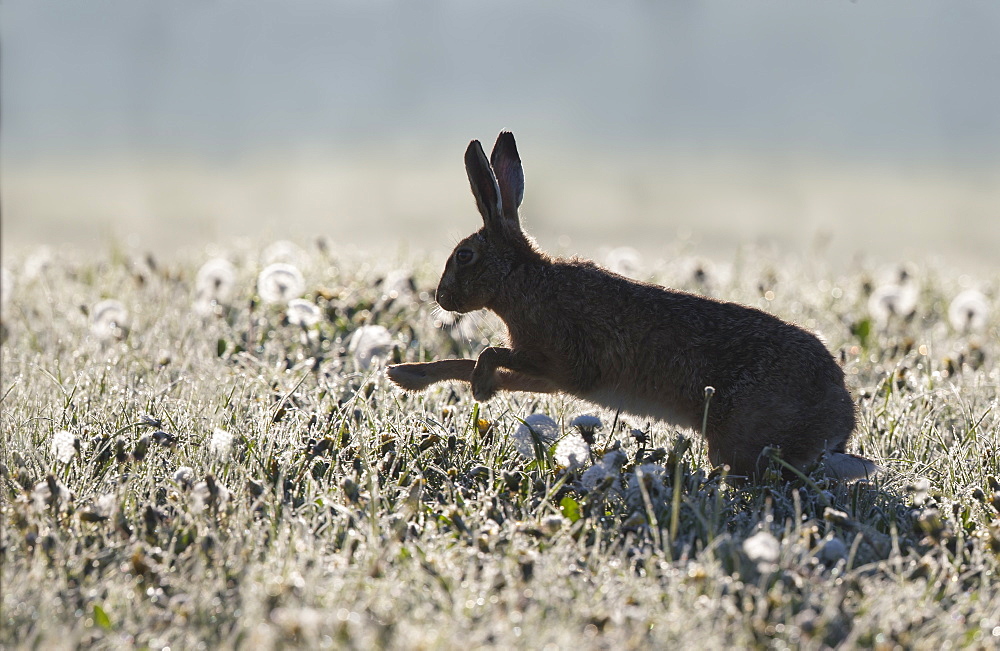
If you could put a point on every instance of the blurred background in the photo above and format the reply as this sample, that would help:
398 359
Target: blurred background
826 128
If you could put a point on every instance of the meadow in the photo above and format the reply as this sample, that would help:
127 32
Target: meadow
204 452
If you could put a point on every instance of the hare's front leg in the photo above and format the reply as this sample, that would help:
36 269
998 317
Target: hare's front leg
486 380
420 375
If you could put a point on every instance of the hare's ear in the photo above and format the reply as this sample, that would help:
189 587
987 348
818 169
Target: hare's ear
510 176
484 186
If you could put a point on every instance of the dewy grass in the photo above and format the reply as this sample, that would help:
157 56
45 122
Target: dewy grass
209 469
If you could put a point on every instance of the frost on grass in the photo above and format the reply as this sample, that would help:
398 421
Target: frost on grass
409 521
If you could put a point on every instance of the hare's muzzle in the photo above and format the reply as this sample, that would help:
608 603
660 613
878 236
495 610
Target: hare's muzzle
443 298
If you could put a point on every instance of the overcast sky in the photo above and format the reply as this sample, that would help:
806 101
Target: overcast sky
888 79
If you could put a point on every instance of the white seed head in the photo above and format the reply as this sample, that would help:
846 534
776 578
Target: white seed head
624 261
63 448
38 263
216 281
552 524
762 548
283 251
606 473
106 504
921 491
184 476
969 311
397 284
890 302
280 283
832 551
207 493
587 422
108 319
6 286
51 493
572 452
302 312
648 479
221 442
536 429
369 343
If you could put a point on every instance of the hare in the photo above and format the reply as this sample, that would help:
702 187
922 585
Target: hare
636 347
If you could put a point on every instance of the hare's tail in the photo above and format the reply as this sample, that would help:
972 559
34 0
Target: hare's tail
850 466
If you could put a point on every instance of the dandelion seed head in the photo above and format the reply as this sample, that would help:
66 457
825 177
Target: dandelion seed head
369 343
208 493
216 281
587 422
221 442
646 478
283 251
6 286
572 452
298 623
969 311
50 493
109 319
605 473
398 283
105 505
63 446
763 549
921 491
184 476
893 301
625 261
302 312
536 428
833 550
280 282
552 524
38 263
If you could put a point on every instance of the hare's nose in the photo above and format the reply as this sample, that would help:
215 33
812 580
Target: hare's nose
441 295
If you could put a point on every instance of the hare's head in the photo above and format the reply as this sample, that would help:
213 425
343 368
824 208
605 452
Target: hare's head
478 266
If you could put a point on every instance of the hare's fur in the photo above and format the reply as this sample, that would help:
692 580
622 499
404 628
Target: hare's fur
641 348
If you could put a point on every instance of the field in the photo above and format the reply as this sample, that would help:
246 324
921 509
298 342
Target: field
207 461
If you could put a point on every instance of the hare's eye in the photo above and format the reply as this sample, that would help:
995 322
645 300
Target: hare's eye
465 256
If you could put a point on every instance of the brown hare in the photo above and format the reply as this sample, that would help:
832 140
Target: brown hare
634 346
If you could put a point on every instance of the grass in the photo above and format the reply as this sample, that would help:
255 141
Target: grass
234 480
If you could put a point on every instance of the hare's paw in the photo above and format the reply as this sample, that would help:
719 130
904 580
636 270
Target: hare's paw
484 384
411 377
